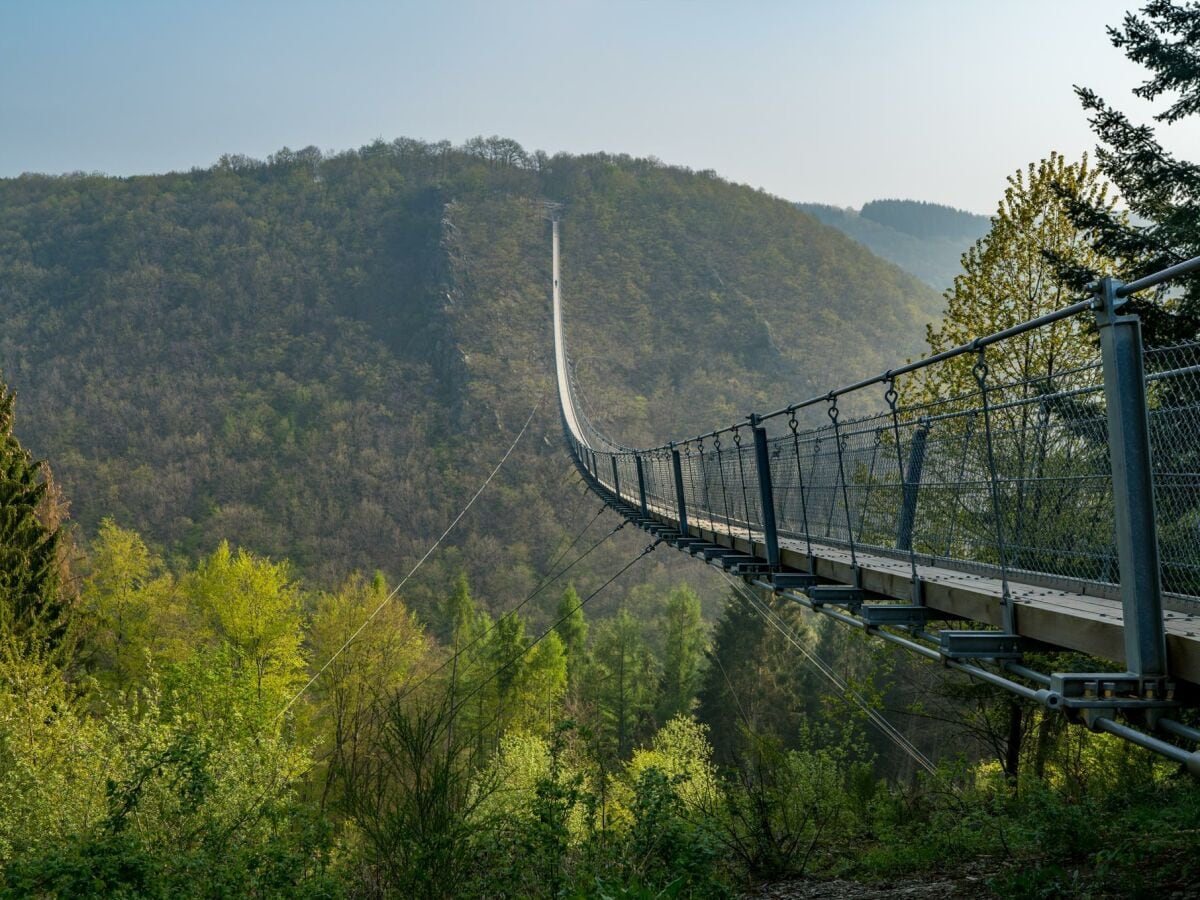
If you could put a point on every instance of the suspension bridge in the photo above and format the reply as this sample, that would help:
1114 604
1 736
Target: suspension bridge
965 512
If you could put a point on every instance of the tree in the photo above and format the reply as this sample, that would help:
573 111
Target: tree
33 601
384 657
683 653
572 629
121 594
621 681
506 658
253 606
1007 278
542 687
1157 186
1039 438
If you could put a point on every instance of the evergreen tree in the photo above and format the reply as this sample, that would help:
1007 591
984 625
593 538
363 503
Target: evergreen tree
457 611
543 683
507 644
621 682
683 652
32 598
1158 187
572 629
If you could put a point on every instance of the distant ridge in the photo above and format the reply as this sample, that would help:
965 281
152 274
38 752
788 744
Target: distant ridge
315 356
925 239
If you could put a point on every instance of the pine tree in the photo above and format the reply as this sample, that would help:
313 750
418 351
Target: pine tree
572 629
683 652
32 593
622 682
1157 186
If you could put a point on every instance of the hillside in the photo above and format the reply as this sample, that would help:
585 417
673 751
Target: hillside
319 357
924 239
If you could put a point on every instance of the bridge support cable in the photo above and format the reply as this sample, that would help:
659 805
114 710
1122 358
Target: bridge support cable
1021 503
503 667
823 668
420 562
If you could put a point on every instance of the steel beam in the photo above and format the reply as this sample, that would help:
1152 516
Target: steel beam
677 466
1133 482
912 485
766 495
641 476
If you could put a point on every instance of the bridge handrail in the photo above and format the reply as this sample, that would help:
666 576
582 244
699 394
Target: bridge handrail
972 346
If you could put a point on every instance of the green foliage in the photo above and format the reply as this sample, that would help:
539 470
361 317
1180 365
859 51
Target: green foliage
411 796
1161 189
1007 278
781 805
683 652
622 682
32 594
121 597
573 630
285 354
253 606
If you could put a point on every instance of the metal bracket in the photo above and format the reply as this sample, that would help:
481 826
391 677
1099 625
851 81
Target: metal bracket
835 595
981 645
1114 689
729 560
895 614
784 580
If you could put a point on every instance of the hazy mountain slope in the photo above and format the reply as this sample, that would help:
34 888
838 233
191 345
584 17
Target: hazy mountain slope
924 239
320 358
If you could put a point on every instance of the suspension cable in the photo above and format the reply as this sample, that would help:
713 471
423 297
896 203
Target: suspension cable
873 715
646 551
420 562
549 579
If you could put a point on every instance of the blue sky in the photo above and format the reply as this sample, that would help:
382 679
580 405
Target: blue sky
830 102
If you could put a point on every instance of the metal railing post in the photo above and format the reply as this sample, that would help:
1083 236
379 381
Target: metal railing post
616 478
766 495
641 476
912 485
679 498
1133 482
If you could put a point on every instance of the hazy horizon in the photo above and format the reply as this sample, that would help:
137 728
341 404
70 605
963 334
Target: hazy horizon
930 101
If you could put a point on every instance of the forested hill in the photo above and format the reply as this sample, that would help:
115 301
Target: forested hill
320 356
925 239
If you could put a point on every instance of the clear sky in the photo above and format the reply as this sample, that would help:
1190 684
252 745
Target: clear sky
835 102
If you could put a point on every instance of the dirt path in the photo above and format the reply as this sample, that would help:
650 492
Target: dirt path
942 886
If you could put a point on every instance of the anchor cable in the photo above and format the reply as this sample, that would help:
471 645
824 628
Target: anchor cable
386 600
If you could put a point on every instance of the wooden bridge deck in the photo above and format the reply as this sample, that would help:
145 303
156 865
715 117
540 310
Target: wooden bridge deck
1060 619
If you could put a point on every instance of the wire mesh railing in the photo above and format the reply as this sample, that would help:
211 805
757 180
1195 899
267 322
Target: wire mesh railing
1058 452
992 458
